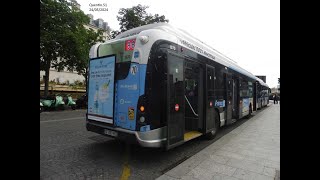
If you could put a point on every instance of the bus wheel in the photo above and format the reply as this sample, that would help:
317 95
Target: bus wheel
213 133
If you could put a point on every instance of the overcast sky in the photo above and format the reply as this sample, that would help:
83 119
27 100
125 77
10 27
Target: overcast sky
247 31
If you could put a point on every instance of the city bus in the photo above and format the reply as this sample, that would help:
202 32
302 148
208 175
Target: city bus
159 86
263 94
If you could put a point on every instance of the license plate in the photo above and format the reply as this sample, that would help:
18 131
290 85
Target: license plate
110 133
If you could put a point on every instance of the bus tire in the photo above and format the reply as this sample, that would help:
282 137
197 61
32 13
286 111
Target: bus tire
211 135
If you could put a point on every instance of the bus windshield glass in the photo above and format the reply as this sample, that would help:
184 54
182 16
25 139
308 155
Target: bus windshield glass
123 51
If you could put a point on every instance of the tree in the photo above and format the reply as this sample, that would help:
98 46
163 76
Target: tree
136 16
63 36
114 34
82 59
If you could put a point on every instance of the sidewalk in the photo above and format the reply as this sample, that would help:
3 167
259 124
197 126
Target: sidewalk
251 151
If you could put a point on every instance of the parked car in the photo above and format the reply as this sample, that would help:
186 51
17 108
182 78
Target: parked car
82 102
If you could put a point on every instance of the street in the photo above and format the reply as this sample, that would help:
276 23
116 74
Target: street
69 151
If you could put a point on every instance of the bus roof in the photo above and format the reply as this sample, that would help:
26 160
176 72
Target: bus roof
262 82
222 59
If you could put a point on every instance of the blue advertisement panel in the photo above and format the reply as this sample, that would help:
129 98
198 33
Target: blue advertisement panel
245 104
101 89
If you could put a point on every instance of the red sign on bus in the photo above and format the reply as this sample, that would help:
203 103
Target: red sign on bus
129 45
176 107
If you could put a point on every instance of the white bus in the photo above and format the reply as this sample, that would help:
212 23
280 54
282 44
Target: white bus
160 87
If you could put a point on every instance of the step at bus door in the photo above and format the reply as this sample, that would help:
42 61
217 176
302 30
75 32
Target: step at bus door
175 100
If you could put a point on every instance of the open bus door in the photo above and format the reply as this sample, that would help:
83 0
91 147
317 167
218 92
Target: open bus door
175 101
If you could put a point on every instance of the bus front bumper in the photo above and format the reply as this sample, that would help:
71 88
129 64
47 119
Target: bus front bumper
153 138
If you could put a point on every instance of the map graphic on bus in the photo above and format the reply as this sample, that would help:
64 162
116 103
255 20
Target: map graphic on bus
101 88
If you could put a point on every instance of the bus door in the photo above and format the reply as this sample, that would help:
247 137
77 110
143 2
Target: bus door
258 93
254 96
229 95
194 102
235 98
175 101
193 96
210 100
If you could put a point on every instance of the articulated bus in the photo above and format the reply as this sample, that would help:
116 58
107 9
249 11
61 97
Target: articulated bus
158 86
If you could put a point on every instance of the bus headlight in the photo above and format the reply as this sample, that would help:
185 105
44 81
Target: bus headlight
142 119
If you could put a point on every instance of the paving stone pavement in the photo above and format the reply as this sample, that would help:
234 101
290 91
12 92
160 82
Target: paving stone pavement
251 151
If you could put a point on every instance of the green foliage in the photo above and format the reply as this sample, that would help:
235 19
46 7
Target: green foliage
53 82
113 34
63 36
86 40
60 25
136 16
77 84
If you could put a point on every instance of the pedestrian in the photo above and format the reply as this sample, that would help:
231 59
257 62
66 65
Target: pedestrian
275 99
